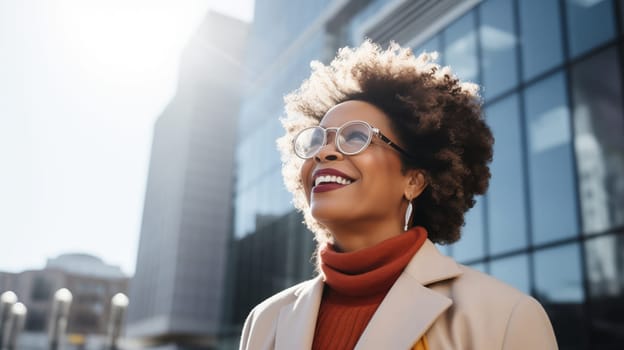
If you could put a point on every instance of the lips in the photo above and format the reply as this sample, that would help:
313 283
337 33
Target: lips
329 179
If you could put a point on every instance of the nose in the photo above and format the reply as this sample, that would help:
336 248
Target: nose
329 152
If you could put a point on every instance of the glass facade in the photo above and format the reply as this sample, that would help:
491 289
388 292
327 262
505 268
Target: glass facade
551 178
552 222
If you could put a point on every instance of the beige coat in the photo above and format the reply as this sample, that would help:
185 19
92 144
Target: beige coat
456 307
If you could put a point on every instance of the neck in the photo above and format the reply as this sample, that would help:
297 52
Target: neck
350 237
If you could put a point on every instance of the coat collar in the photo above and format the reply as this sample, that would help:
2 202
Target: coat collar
409 307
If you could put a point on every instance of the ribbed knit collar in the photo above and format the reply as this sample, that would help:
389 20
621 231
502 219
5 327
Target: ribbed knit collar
370 271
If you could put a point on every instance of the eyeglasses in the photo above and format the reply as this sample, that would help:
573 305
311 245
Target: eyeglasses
351 138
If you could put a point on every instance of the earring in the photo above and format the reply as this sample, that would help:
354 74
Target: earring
408 215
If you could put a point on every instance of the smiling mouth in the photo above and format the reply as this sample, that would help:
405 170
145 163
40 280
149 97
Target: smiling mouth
329 179
326 183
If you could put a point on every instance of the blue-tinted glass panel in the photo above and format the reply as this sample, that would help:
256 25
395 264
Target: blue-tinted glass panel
245 212
507 219
590 23
599 145
470 246
431 45
559 287
444 249
281 199
621 15
498 47
540 30
479 267
551 173
604 258
460 50
513 271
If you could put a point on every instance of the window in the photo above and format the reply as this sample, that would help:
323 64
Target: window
559 287
599 140
507 219
604 258
470 246
552 189
513 271
498 47
540 30
590 23
433 44
36 320
461 48
41 290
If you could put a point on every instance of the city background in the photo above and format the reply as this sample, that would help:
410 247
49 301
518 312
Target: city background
218 233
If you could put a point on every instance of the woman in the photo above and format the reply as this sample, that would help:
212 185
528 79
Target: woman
384 153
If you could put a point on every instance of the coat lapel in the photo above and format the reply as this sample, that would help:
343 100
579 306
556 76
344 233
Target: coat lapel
410 308
297 320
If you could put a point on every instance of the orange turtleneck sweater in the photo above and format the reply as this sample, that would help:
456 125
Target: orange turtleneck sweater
356 283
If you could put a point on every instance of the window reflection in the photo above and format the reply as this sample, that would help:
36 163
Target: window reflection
540 30
552 189
461 48
431 45
605 274
590 23
498 45
605 266
559 287
506 200
599 143
470 246
513 271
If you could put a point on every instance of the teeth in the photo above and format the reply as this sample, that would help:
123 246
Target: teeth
331 178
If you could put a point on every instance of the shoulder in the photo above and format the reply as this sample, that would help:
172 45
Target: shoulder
506 317
261 322
483 286
280 299
476 292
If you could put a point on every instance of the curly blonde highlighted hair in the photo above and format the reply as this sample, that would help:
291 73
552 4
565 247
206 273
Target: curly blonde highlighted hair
436 117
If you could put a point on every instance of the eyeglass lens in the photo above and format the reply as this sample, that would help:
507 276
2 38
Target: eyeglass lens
351 139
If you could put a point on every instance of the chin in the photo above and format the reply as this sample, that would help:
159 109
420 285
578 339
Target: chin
327 214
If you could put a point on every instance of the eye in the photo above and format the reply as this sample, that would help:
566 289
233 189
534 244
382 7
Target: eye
313 137
354 136
316 139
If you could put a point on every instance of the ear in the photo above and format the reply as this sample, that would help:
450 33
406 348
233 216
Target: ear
416 183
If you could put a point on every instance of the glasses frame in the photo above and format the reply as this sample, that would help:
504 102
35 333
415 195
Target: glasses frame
373 132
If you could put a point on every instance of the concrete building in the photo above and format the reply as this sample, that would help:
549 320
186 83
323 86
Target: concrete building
92 292
177 294
552 223
85 264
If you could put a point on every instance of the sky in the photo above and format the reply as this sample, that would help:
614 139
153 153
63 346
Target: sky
81 84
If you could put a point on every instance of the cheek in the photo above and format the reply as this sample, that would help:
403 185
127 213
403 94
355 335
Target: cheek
385 179
305 172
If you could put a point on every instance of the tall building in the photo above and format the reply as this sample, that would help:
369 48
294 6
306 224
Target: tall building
552 223
178 290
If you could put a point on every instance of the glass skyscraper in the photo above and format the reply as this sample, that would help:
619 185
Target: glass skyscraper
552 222
177 292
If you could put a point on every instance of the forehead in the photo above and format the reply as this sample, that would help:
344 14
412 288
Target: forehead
356 110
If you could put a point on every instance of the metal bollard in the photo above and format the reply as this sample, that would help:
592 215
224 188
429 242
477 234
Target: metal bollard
119 303
58 320
7 300
14 326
